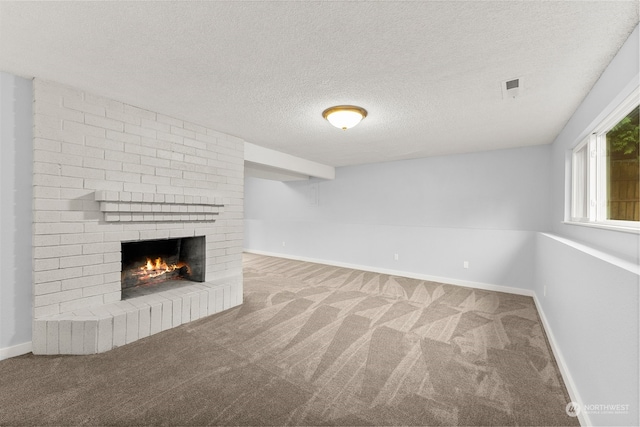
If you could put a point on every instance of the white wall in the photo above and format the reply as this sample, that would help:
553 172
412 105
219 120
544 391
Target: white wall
614 85
15 214
591 304
592 301
435 213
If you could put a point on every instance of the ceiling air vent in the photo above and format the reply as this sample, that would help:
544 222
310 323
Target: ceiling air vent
513 84
511 88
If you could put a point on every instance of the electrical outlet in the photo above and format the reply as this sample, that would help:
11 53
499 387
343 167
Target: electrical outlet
284 244
465 264
396 257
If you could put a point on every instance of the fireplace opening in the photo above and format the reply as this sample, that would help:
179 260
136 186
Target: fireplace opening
152 265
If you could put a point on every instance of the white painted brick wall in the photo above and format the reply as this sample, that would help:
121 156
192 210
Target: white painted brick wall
83 143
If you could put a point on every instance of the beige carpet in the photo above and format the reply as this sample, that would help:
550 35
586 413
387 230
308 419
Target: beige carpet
312 345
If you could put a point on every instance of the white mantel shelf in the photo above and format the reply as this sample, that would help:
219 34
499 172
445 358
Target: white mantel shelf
123 206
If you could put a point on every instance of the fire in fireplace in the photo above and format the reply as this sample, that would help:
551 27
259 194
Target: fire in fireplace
151 262
157 270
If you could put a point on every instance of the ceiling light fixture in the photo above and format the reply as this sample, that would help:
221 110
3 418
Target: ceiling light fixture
344 116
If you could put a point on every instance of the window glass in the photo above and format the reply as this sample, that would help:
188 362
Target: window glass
623 169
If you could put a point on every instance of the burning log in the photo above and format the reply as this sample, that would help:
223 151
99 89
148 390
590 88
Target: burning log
154 271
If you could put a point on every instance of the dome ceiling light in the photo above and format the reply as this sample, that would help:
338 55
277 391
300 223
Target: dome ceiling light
344 116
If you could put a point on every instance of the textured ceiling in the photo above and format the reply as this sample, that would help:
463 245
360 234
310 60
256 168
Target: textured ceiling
429 73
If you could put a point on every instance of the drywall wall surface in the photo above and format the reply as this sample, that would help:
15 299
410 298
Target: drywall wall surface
16 158
615 84
591 305
434 213
495 257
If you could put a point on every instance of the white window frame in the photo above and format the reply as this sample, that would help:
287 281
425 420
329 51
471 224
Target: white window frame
588 204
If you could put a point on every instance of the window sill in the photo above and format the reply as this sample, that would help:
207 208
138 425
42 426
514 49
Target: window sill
621 228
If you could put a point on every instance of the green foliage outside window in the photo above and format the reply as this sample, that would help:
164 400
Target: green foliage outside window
624 137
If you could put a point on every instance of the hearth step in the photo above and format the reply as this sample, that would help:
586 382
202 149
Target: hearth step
102 328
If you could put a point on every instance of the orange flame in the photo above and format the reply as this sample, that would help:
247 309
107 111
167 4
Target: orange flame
158 267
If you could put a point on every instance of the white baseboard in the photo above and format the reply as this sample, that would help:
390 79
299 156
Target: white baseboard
16 350
411 275
564 371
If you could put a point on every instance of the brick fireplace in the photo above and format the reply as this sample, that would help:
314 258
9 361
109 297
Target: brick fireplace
108 173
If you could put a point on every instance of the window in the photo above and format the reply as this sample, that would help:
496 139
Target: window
605 175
